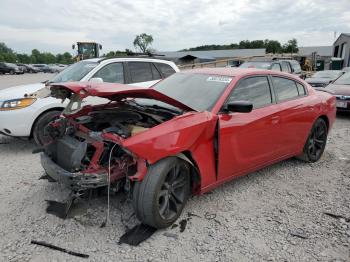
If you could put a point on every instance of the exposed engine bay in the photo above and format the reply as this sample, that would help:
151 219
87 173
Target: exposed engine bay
85 144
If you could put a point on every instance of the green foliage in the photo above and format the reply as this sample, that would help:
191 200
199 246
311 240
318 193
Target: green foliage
291 46
142 42
36 57
117 53
272 46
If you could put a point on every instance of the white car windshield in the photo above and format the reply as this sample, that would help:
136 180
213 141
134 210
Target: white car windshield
327 74
74 72
343 80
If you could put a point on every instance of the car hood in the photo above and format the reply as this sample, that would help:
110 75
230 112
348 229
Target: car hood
115 92
19 91
339 89
318 80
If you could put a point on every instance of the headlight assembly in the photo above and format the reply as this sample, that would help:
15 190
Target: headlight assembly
16 103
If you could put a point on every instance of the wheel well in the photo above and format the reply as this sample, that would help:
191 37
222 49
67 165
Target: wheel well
325 118
36 119
195 174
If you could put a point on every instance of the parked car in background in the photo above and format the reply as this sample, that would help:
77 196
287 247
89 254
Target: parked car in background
10 68
341 90
168 142
25 116
56 68
43 68
22 67
288 66
28 68
32 69
323 78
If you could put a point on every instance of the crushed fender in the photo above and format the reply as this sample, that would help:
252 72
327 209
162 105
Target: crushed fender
44 244
137 234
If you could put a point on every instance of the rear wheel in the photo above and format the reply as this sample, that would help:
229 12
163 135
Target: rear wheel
12 72
38 129
161 196
316 142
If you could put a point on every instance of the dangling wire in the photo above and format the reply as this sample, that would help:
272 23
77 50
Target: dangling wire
108 186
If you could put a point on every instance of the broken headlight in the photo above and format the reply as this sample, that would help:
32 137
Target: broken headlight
17 103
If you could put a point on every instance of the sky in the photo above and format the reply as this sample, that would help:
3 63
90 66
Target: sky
53 26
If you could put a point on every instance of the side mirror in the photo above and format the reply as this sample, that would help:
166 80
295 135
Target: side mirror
96 80
239 106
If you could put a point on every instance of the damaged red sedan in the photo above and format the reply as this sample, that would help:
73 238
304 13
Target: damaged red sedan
186 135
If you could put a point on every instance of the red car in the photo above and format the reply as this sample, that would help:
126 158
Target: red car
187 135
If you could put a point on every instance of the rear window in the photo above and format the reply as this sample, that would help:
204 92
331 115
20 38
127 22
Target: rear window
285 88
165 69
140 72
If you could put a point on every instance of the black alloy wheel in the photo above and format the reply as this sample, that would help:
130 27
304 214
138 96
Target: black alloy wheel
316 142
161 196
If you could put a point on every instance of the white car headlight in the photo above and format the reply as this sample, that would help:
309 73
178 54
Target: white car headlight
16 103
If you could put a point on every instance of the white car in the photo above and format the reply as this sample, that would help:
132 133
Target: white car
24 116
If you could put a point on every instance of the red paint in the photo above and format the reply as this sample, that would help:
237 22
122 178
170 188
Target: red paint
247 141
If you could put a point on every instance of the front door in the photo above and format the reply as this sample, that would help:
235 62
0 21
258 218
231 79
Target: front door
249 140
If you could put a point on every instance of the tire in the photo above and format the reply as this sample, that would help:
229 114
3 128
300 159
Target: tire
12 72
39 125
316 142
161 196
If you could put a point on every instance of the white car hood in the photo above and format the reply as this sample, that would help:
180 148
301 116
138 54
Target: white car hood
19 91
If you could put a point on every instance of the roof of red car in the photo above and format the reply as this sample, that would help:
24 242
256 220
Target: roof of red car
226 71
234 72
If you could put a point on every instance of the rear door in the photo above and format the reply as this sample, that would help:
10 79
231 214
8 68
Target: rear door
296 112
249 140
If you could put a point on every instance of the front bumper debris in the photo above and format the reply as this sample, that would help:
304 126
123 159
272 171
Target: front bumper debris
76 181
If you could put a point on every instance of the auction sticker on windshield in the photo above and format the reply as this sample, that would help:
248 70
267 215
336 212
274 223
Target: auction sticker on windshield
221 79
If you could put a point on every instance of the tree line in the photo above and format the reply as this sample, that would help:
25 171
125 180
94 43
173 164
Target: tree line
272 46
36 57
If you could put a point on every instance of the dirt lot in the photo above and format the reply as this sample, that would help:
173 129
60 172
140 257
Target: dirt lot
13 80
276 214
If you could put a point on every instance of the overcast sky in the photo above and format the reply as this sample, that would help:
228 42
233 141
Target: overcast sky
55 25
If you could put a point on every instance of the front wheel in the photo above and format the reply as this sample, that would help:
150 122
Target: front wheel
161 196
38 129
316 142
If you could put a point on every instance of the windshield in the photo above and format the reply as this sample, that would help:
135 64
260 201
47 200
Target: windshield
326 74
343 80
260 65
197 91
74 72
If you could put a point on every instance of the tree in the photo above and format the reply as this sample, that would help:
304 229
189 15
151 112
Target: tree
272 46
291 46
143 41
4 48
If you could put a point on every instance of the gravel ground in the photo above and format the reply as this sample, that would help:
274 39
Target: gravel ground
276 214
14 80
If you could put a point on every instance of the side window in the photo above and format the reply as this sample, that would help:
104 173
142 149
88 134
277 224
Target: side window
111 73
254 89
165 69
155 72
301 89
276 67
285 67
285 88
140 71
296 67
